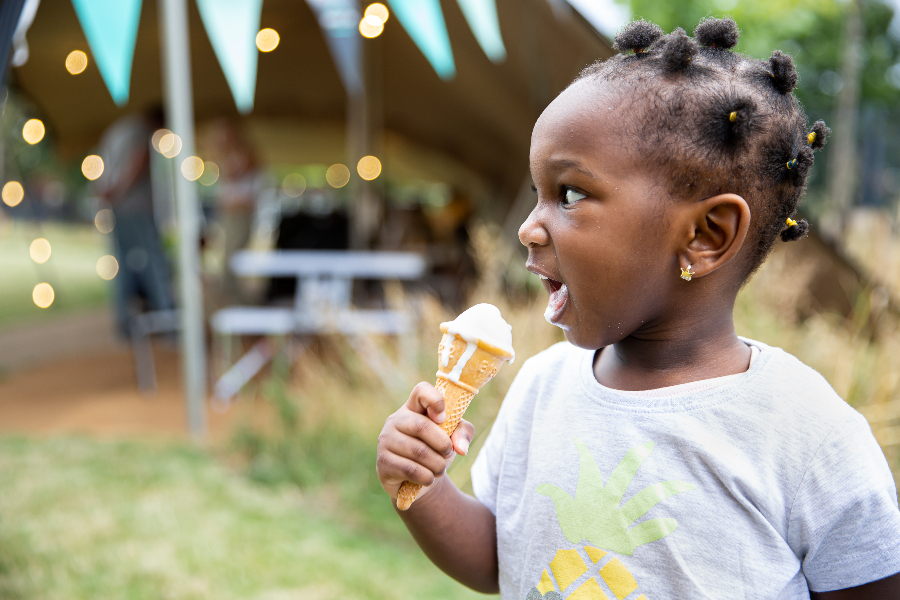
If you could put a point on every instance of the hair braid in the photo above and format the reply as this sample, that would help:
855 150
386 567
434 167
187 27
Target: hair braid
715 121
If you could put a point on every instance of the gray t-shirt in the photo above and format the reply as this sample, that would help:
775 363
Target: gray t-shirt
766 486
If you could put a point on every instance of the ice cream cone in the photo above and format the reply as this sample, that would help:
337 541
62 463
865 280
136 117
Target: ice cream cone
458 382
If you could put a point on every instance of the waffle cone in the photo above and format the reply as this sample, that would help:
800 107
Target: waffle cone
480 368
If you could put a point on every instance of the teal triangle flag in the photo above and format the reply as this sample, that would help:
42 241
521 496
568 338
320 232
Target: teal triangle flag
423 20
339 20
482 18
110 27
232 26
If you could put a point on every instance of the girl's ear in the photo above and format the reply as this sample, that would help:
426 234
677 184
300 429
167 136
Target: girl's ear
718 228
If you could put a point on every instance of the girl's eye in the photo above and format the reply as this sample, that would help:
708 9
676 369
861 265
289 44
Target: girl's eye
572 196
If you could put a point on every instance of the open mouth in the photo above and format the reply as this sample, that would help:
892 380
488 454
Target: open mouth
559 295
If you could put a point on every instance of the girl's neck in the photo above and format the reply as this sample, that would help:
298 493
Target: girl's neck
693 351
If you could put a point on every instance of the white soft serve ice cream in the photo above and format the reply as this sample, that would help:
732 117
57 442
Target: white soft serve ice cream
481 322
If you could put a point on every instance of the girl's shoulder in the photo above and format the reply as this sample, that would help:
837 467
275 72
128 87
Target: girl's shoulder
782 376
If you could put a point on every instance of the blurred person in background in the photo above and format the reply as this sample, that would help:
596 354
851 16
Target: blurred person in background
239 186
143 281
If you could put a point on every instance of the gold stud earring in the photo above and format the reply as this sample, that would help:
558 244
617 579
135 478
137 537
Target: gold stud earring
686 273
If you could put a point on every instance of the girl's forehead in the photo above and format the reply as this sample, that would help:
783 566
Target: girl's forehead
587 112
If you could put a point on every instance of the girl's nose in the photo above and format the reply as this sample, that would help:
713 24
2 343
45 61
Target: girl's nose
532 232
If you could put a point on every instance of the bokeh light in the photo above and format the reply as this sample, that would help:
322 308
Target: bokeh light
192 168
13 193
210 173
105 220
378 10
33 131
156 137
170 145
337 175
76 62
39 251
371 26
107 267
267 40
92 167
294 185
43 295
369 167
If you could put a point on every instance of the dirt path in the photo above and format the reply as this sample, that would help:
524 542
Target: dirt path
96 393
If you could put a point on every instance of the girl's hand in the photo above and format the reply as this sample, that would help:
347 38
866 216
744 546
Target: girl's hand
413 447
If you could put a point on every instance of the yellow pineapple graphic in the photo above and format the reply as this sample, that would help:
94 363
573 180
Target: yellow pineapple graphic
594 515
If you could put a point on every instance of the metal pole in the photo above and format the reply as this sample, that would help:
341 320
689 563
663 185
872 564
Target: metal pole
179 104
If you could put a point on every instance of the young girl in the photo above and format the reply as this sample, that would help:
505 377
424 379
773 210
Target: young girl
657 454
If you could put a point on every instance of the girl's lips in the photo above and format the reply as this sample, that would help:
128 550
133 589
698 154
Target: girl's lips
559 296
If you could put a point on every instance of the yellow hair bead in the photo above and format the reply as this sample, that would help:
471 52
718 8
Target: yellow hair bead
733 116
790 222
792 163
811 137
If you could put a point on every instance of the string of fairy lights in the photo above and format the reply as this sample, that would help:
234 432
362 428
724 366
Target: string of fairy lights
169 145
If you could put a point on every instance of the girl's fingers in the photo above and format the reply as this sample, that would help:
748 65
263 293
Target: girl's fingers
418 452
422 428
426 399
462 437
394 470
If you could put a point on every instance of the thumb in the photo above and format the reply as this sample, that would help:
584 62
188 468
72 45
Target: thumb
462 437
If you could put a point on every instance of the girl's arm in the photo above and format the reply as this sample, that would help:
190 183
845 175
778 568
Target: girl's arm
456 531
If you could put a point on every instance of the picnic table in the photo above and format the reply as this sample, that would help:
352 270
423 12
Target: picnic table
322 301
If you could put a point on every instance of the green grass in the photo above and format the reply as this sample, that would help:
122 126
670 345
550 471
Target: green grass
90 519
71 270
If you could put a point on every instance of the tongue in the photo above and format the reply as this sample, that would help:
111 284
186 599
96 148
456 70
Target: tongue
557 300
558 296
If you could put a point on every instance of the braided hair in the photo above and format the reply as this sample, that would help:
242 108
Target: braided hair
715 121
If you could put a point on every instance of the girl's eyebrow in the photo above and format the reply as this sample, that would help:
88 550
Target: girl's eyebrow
568 163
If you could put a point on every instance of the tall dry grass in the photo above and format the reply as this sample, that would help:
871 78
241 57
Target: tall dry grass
327 408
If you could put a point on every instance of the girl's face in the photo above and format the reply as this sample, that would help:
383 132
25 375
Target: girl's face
600 235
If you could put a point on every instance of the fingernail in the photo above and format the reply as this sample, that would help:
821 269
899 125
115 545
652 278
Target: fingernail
464 446
442 416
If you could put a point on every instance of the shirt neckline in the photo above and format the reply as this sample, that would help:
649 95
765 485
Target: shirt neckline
685 400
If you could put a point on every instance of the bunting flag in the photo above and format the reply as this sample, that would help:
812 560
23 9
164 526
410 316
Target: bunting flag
232 26
482 18
110 27
339 20
424 22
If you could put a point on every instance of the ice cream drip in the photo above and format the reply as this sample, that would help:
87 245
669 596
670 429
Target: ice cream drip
482 322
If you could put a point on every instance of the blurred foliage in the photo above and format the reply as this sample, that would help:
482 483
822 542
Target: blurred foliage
810 30
71 271
54 188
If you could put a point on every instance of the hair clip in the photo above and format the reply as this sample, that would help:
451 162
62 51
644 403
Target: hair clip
733 116
790 222
686 273
816 137
792 163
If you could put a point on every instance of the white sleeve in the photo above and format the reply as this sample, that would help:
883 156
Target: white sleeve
844 523
487 465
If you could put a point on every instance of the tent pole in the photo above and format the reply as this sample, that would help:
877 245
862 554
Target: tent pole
179 105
